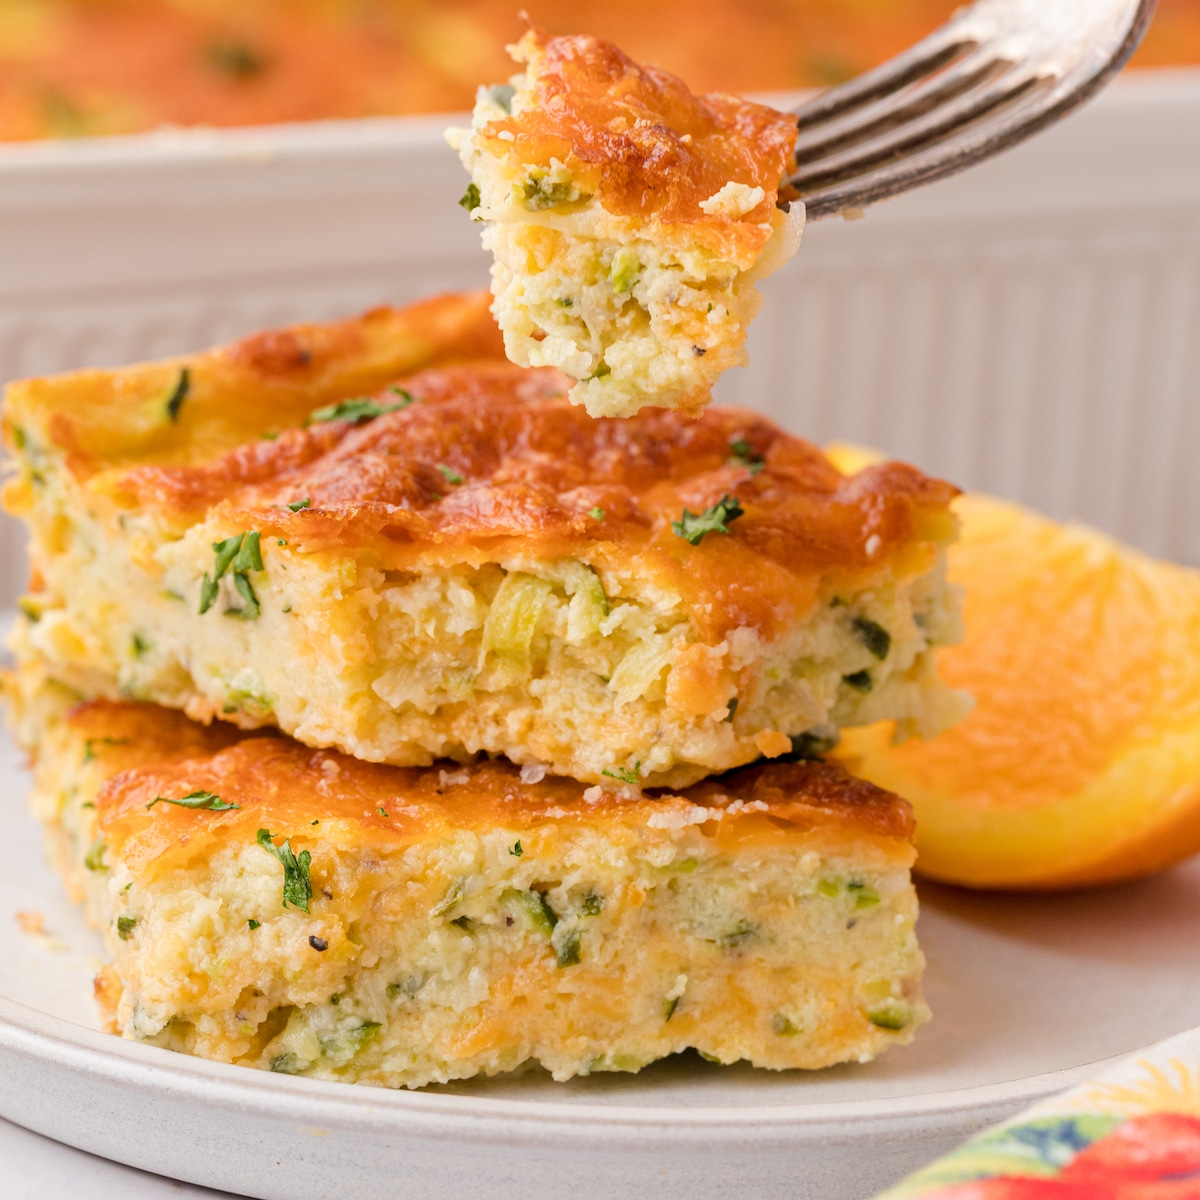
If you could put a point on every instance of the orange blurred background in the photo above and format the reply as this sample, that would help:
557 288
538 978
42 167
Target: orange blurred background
79 67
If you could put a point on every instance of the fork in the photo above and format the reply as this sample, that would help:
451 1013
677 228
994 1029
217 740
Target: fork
995 73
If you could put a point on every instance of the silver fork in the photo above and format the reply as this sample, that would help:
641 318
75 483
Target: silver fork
996 72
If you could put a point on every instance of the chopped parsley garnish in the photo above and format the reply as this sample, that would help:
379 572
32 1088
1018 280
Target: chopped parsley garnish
139 644
874 636
715 519
239 554
781 1026
449 474
253 924
671 1006
179 393
250 606
359 409
597 513
207 800
592 905
568 951
382 811
297 886
860 681
471 199
297 505
628 775
125 927
517 850
743 455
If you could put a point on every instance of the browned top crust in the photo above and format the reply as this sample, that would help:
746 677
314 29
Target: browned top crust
533 468
644 145
147 752
492 460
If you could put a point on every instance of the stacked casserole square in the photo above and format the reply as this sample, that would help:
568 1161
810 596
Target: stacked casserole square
397 721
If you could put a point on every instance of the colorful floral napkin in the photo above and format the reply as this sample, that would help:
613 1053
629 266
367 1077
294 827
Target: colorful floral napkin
1133 1133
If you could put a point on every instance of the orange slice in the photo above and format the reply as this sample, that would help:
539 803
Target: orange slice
1080 763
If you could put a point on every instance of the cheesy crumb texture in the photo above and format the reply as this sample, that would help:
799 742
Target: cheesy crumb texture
400 927
629 221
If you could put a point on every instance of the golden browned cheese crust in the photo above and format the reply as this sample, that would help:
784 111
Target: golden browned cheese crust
643 144
534 467
279 783
305 912
110 419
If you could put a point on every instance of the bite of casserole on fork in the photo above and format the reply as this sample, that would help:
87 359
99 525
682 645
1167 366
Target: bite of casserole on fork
629 221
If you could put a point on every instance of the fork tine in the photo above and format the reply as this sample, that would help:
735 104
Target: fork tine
995 73
925 58
940 92
955 122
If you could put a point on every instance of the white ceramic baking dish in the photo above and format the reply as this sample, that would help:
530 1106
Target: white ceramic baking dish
1031 328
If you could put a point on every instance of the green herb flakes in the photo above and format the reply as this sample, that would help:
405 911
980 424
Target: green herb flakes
715 519
178 394
669 1007
381 811
297 886
206 800
297 505
597 513
781 1026
812 745
744 931
454 893
592 905
139 644
861 681
743 455
449 474
125 927
358 409
239 554
94 859
517 850
253 924
89 746
891 1017
629 775
567 953
209 591
876 639
250 606
471 199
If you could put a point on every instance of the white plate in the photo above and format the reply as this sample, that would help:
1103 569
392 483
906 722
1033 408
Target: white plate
1028 994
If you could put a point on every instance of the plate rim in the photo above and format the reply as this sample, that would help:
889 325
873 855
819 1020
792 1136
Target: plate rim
43 1038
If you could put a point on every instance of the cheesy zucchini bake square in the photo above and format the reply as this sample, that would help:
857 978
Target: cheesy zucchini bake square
629 220
382 537
300 911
